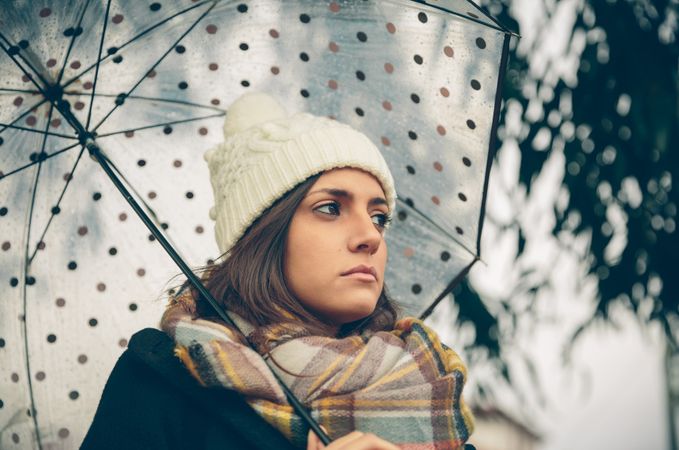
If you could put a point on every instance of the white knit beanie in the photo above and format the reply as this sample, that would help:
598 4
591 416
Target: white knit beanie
266 153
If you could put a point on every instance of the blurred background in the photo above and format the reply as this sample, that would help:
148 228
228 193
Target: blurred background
569 324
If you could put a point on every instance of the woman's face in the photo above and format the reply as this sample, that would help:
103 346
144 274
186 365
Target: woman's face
338 227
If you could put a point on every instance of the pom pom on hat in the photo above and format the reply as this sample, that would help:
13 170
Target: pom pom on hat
250 110
266 153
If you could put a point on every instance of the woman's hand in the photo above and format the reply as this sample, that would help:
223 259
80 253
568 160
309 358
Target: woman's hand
355 440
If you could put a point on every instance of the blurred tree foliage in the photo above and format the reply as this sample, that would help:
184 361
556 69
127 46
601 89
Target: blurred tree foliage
618 128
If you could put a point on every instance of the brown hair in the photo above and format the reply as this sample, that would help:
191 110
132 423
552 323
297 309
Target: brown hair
250 279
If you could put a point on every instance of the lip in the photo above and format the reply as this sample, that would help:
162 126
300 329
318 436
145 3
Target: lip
361 272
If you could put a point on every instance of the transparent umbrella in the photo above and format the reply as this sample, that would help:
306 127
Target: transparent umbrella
140 89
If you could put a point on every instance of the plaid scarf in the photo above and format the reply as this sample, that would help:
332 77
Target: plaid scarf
403 385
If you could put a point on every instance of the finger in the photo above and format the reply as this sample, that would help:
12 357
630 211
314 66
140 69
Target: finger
368 441
313 443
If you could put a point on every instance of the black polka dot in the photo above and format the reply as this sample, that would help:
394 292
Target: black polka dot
243 46
471 124
152 238
141 163
480 43
51 338
183 85
167 129
411 170
112 50
402 215
118 59
359 112
30 281
14 281
462 197
23 44
445 256
410 202
415 98
242 8
112 251
189 195
459 231
180 49
3 211
422 17
155 6
72 265
418 59
412 135
120 99
133 306
56 210
245 83
476 85
96 196
360 75
416 288
361 36
466 161
73 395
2 342
93 322
304 93
164 226
304 57
304 18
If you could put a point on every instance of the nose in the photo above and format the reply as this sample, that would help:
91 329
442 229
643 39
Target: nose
365 237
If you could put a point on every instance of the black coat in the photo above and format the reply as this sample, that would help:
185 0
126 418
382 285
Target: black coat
152 402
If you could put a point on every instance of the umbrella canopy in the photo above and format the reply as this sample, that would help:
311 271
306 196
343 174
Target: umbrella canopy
149 83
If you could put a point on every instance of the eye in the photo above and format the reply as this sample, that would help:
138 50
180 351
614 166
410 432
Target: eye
383 220
331 209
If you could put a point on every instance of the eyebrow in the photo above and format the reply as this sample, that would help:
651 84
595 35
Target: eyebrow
348 195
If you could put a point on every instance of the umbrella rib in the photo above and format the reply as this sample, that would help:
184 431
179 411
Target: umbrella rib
193 25
30 77
31 164
437 226
61 196
23 69
31 130
24 114
19 91
154 99
448 289
26 266
193 119
96 71
135 38
72 42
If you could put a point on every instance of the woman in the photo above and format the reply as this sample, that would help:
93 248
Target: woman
301 207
